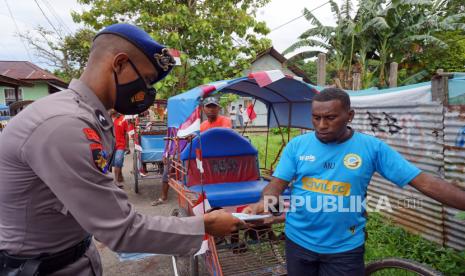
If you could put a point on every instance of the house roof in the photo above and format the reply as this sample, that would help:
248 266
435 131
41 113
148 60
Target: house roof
294 69
27 71
11 82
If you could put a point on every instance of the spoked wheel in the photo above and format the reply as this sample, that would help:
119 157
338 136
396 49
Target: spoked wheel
184 265
398 266
136 171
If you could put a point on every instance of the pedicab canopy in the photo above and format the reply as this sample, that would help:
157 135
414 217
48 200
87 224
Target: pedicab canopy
288 100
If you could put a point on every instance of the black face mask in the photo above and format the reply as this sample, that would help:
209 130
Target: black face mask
134 97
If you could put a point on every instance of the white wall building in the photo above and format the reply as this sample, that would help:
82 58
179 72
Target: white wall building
265 61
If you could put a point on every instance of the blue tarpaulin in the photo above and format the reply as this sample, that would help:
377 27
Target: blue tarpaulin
288 100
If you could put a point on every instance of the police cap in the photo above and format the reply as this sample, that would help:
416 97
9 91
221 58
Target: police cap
158 54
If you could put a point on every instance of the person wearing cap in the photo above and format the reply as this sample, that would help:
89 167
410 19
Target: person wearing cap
211 108
56 191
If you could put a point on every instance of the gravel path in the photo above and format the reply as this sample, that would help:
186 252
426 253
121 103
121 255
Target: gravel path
149 189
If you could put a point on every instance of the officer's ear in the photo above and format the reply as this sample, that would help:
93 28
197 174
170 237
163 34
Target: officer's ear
119 61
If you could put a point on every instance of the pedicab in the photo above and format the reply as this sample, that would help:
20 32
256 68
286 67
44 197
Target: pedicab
219 169
222 166
149 145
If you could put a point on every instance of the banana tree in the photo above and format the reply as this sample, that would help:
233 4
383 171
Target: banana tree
332 40
406 26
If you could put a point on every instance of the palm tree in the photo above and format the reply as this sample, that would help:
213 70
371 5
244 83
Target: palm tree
378 34
406 26
328 38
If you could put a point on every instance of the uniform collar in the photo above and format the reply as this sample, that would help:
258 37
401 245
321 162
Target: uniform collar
88 96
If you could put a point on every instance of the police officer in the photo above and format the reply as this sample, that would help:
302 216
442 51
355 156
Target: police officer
55 188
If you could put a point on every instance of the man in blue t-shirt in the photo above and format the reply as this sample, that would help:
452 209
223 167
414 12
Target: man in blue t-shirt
330 169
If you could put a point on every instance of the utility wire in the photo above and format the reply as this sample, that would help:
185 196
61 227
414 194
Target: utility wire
57 16
292 20
48 20
17 30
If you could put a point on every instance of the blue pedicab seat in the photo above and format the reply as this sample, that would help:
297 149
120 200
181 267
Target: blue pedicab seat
152 148
232 175
232 193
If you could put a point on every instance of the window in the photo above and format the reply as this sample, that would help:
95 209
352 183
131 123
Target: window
10 95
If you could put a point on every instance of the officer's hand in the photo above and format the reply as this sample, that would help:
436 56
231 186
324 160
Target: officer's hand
219 223
256 208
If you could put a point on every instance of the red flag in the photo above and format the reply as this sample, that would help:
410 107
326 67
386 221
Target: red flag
251 113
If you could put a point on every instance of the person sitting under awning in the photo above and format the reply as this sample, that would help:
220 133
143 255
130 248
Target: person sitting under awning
212 108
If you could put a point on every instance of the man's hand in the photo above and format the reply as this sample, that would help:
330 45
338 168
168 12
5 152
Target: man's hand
219 223
275 188
256 208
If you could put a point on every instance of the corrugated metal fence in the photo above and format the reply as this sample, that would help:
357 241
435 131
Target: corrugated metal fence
433 138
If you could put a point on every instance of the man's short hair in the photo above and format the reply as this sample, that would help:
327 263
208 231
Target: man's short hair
330 94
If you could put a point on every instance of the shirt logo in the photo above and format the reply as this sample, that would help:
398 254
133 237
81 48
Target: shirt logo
352 161
91 135
100 157
101 118
329 165
326 186
310 158
139 97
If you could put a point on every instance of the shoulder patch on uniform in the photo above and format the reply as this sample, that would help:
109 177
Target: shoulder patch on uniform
91 135
101 118
99 156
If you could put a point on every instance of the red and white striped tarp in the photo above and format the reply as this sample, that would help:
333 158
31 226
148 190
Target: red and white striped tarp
264 78
176 55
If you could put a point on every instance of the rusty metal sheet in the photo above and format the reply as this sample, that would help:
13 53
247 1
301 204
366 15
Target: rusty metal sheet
454 140
434 140
454 228
454 170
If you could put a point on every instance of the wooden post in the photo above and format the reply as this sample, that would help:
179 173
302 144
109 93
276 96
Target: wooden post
321 69
356 81
439 87
393 74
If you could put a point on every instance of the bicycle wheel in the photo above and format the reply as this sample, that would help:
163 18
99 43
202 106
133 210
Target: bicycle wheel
399 266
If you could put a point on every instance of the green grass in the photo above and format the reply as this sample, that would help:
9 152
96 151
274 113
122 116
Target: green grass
387 240
274 144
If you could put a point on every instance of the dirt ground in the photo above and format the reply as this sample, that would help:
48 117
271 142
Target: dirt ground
149 189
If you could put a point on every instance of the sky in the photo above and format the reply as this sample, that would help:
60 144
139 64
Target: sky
28 16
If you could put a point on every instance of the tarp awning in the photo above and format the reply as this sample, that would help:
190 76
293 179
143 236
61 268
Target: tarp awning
4 107
288 99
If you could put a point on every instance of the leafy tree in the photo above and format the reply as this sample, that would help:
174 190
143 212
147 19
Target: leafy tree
407 27
452 7
425 63
310 69
216 38
67 56
378 34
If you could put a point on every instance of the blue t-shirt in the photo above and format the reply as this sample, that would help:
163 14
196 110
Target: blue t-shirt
332 180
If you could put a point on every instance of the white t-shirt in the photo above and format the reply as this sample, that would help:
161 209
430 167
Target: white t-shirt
232 114
241 111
